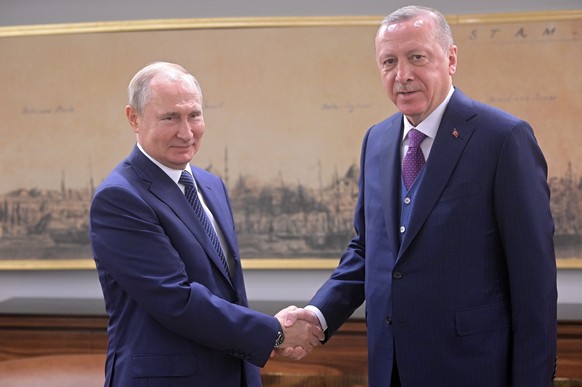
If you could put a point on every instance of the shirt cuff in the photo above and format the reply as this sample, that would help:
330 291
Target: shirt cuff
319 315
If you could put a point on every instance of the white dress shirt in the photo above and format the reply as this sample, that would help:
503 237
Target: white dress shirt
429 126
175 174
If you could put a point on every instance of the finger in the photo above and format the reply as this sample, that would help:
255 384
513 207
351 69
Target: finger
319 334
283 312
308 315
285 352
292 316
298 353
314 341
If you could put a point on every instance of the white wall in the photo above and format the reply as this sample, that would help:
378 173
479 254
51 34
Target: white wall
262 285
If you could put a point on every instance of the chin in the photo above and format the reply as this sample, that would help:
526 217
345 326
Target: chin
179 163
411 111
183 157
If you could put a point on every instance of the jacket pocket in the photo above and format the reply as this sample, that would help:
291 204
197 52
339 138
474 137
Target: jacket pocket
460 190
152 366
470 321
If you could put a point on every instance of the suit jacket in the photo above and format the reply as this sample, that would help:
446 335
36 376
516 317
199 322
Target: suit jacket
175 316
469 296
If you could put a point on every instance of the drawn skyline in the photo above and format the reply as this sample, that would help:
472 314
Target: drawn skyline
273 220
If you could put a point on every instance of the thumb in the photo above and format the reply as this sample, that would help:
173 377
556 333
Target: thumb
290 319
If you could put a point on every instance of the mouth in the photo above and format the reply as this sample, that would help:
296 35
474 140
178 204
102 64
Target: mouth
183 146
404 89
406 94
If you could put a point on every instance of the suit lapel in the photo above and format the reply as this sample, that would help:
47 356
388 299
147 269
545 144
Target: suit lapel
453 135
166 190
217 204
389 162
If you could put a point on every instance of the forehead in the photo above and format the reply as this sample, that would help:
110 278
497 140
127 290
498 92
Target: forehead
410 34
173 91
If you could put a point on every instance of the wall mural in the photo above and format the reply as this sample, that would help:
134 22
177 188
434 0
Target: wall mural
287 103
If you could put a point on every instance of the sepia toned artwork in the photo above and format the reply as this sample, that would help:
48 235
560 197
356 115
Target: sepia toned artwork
287 102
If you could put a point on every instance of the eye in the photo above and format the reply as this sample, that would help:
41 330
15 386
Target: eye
418 59
168 117
388 64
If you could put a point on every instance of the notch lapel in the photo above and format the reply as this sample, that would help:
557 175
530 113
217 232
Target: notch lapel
390 175
166 190
452 136
222 216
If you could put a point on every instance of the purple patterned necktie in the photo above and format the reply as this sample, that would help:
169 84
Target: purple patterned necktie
192 195
414 158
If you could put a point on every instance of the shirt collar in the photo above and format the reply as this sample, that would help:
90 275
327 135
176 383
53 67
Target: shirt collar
430 125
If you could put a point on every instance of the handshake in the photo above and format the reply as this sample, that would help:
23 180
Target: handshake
302 332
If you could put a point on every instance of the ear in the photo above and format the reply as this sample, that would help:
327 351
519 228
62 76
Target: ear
132 118
453 50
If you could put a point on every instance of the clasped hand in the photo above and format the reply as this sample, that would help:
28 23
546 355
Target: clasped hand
302 332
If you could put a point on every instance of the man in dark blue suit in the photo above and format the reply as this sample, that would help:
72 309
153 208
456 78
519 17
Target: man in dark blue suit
176 302
458 269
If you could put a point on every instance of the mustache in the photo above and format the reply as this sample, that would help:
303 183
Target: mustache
400 88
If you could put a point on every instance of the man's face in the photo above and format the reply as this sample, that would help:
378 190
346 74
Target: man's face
171 126
415 69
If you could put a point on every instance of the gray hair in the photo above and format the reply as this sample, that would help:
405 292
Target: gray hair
444 35
139 87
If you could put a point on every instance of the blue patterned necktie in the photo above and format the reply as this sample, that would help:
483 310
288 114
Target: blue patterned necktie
192 195
414 158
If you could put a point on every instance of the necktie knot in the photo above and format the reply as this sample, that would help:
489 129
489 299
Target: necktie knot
186 179
414 158
415 137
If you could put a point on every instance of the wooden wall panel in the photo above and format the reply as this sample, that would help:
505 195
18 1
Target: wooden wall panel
344 356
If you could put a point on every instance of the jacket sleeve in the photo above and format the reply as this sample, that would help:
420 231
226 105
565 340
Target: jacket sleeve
343 292
522 210
134 251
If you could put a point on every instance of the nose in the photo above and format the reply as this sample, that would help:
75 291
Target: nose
404 72
185 131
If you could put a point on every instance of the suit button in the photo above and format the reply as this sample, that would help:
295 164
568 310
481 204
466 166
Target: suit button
407 200
397 275
402 229
389 320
